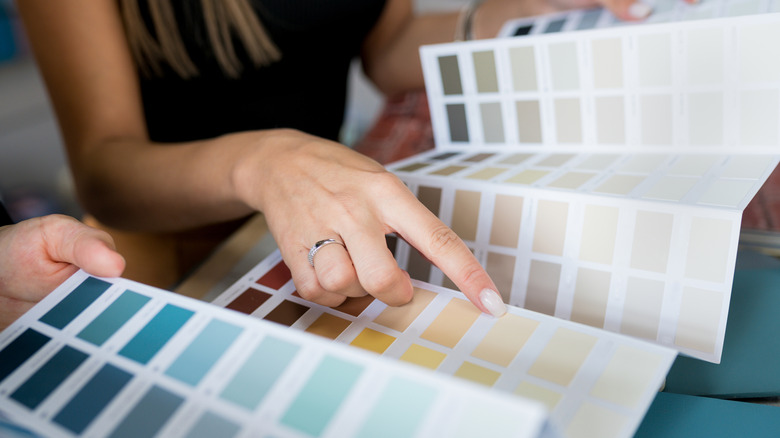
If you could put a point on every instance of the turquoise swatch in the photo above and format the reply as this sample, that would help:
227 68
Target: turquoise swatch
114 317
259 373
400 410
211 425
156 333
198 358
74 303
322 395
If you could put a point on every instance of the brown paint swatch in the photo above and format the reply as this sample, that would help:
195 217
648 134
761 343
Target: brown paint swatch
277 277
249 301
328 326
355 306
286 313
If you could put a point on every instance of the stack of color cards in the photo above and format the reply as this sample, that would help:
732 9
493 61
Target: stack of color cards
594 382
600 176
664 11
114 358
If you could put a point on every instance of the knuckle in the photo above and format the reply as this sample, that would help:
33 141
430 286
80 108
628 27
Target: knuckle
443 241
380 281
336 278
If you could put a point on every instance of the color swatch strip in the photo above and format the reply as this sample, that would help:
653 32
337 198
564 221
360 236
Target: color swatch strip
631 247
676 87
168 365
590 379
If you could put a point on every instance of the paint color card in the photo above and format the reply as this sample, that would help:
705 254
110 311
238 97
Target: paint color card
656 269
666 84
222 373
524 353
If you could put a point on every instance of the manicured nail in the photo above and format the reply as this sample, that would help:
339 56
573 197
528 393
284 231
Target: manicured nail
492 302
639 10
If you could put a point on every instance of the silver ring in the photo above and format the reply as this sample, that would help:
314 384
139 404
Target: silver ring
319 245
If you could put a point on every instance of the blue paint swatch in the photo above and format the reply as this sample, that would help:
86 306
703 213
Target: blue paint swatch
203 352
211 425
19 350
72 305
321 397
259 373
114 317
92 398
149 415
48 377
400 410
156 333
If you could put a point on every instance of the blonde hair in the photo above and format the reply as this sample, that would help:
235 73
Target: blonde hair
223 19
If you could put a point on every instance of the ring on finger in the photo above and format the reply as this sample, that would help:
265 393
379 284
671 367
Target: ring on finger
317 246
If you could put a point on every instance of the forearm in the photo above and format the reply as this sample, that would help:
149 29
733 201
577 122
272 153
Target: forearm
136 185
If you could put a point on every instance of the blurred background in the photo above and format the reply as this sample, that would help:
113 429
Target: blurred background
34 177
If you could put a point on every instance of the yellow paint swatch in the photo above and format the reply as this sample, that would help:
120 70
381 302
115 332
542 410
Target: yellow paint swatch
399 318
423 356
329 326
505 339
528 176
478 374
563 356
626 376
546 396
373 340
452 323
487 173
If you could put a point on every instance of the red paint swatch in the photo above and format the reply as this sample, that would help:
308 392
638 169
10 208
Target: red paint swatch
277 277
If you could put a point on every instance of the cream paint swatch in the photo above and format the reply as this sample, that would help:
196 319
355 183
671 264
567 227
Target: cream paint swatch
652 239
599 231
507 214
546 396
562 357
595 421
642 308
625 384
550 230
591 294
699 311
465 214
505 339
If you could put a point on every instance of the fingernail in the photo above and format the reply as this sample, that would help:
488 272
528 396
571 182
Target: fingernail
639 10
492 302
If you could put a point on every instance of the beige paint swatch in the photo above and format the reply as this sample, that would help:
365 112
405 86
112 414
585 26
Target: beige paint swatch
401 317
652 240
599 232
591 294
465 214
452 323
708 249
507 213
550 229
501 268
595 421
505 339
642 308
563 356
542 292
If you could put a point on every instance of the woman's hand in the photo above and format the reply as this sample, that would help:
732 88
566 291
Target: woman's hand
38 254
312 189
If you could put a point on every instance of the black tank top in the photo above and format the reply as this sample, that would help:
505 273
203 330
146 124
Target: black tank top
305 90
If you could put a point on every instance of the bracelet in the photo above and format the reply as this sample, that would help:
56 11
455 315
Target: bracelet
464 29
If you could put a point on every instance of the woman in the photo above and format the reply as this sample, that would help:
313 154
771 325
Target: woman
181 117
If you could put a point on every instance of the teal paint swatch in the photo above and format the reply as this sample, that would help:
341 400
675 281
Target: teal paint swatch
259 373
75 302
48 377
322 395
19 350
399 411
211 425
113 317
203 352
92 398
149 415
155 334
